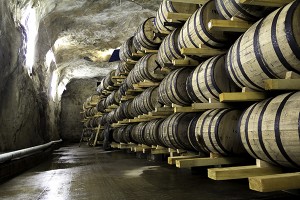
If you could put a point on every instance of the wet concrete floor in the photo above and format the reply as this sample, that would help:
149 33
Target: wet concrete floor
90 173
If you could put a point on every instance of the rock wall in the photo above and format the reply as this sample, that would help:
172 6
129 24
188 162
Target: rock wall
71 105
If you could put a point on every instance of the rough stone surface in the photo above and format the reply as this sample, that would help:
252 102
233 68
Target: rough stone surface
71 105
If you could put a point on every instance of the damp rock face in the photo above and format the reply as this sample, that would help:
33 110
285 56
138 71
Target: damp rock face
71 105
47 45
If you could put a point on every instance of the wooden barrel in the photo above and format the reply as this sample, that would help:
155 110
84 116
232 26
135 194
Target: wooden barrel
111 117
116 135
127 110
137 133
169 49
95 98
123 88
173 88
233 8
269 130
173 131
151 132
269 49
195 31
130 80
146 101
217 131
119 114
126 50
208 80
90 112
101 106
126 134
172 7
145 37
192 135
123 68
145 67
109 82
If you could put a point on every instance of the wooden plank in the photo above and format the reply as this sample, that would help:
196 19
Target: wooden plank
159 150
209 106
96 137
199 162
131 62
185 110
202 52
164 109
178 16
172 160
242 96
191 1
267 3
270 183
138 120
185 63
282 84
147 51
240 172
139 55
228 25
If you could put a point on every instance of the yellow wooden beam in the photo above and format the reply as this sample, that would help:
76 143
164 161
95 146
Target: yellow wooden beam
172 160
178 16
209 106
270 183
185 110
200 162
242 96
202 52
241 172
282 84
268 3
185 63
227 25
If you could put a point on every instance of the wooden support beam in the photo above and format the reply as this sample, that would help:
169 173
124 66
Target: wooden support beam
240 172
147 51
200 162
172 160
202 52
242 96
178 16
138 120
131 62
191 1
114 145
282 84
228 25
185 62
138 55
267 3
185 110
164 109
270 183
159 150
208 106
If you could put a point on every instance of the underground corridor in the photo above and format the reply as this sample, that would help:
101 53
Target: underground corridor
150 99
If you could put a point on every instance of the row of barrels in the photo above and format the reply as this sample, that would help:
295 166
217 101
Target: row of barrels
194 32
267 50
267 130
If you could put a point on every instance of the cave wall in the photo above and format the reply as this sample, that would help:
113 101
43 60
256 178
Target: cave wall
77 91
21 121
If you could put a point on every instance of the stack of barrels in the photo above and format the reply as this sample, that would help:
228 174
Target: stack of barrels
268 130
